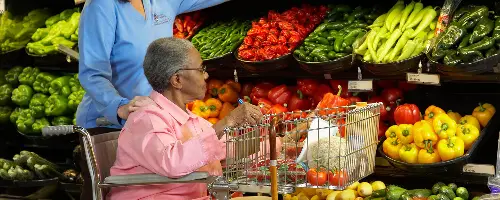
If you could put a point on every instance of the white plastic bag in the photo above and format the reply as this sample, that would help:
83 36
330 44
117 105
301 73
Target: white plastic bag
318 129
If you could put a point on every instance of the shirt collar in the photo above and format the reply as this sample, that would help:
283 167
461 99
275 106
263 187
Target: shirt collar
168 106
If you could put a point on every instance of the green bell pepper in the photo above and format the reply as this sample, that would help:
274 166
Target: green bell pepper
75 98
12 76
483 28
74 84
39 124
25 121
60 86
5 94
15 114
61 120
5 112
42 82
470 19
28 76
56 105
37 104
22 95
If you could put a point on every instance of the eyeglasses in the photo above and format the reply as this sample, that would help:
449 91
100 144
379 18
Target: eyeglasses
203 69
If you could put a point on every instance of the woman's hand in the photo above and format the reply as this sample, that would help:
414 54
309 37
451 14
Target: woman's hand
244 114
133 105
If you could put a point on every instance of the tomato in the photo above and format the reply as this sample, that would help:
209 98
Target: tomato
315 177
407 114
383 110
339 178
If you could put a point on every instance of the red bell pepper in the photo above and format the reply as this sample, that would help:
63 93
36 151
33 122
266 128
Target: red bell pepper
277 109
265 105
332 101
405 86
261 90
320 92
307 86
299 102
246 89
407 114
335 86
279 94
383 110
393 97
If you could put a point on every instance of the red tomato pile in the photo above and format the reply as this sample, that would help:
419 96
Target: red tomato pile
260 171
279 34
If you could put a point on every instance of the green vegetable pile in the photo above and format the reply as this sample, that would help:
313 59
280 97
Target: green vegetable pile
220 38
16 31
471 36
27 166
333 38
401 33
60 29
439 191
32 99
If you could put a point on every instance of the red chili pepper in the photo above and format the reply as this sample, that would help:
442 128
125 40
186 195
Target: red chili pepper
332 101
178 25
265 105
260 90
307 86
279 94
299 102
320 92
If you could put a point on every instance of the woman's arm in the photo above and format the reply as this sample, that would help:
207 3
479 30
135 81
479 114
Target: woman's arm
97 30
193 5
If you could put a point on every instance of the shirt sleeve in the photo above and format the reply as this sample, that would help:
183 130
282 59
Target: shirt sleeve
159 150
97 29
193 5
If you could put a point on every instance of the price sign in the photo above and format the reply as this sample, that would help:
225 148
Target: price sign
426 79
479 169
360 86
2 6
70 52
79 2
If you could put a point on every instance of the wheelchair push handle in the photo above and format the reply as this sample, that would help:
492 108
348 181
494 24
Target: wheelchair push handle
57 130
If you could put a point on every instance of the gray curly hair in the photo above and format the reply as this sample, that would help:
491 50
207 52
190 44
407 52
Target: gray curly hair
164 57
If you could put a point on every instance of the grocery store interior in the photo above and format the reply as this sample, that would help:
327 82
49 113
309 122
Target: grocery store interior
429 72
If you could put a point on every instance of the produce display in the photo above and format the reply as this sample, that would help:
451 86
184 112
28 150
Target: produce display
439 136
472 35
335 36
185 25
16 31
220 38
279 33
31 99
399 34
59 29
27 166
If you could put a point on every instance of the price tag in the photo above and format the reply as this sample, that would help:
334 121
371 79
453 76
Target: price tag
360 86
70 52
79 2
2 6
479 169
426 79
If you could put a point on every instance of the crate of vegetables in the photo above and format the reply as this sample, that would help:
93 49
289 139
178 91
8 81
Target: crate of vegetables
328 48
270 40
470 44
397 39
440 142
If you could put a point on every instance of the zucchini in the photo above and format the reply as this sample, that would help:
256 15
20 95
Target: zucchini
39 173
51 172
39 159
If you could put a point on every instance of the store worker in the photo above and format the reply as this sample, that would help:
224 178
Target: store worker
114 36
167 139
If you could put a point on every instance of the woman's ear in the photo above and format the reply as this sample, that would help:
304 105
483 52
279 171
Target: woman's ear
175 80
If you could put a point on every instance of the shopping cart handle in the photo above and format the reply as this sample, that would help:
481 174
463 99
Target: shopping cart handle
57 130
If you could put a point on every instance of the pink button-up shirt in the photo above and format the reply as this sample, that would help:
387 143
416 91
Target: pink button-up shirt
165 140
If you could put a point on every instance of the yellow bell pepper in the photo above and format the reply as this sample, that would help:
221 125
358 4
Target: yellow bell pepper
431 112
483 113
391 147
405 134
200 109
469 119
450 148
468 133
214 105
454 115
423 134
409 153
444 126
391 131
428 156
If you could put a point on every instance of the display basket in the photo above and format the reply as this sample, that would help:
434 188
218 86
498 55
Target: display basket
338 65
467 69
224 61
454 165
339 139
56 61
266 65
394 68
31 183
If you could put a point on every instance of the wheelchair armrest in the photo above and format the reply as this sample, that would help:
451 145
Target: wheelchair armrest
150 179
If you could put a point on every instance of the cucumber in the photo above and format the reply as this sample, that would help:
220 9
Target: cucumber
442 197
379 193
436 187
453 186
447 191
462 192
420 193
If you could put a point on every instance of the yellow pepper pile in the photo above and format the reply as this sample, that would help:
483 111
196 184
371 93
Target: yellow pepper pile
356 191
439 137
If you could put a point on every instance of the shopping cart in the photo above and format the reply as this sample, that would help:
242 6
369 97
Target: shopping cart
264 171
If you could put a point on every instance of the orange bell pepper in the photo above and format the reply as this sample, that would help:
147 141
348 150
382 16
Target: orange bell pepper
213 86
225 110
201 109
214 105
333 102
432 111
454 115
483 113
213 120
235 85
228 94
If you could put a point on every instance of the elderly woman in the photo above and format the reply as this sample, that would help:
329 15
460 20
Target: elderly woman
166 138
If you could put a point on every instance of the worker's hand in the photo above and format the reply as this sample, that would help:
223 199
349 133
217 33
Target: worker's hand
133 105
244 114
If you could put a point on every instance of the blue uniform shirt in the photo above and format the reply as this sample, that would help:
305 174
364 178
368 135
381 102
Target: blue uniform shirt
114 39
